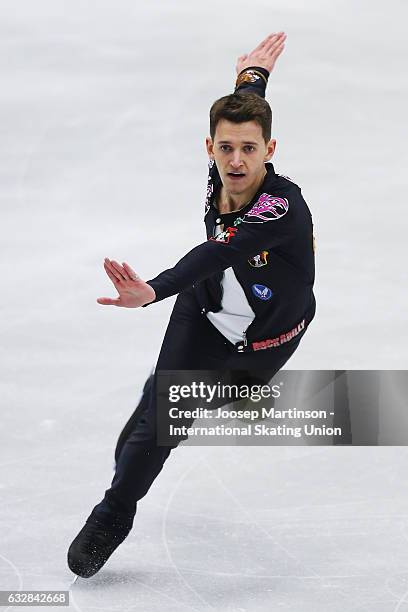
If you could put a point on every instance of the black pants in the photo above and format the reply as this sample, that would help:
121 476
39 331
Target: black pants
191 342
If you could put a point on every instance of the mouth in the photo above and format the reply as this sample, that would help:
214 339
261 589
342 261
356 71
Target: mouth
236 176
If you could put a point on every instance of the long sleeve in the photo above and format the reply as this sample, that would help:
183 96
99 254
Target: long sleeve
268 224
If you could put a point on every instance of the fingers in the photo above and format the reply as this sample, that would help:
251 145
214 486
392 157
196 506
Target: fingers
115 269
118 273
263 43
270 38
113 278
108 301
132 274
275 53
111 271
275 43
279 50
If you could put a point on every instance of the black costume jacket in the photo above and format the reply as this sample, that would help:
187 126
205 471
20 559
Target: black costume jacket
269 245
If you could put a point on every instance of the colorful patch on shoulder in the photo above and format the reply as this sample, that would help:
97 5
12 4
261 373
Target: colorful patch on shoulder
262 292
259 260
267 208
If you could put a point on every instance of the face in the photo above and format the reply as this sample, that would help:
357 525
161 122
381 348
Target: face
240 153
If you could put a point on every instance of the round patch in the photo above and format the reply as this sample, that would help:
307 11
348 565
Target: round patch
262 292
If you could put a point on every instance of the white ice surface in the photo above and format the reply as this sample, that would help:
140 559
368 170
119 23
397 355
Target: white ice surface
104 113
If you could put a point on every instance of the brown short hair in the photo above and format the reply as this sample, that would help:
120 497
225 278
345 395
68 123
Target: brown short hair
239 107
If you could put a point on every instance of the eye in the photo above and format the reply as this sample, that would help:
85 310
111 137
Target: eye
224 147
250 147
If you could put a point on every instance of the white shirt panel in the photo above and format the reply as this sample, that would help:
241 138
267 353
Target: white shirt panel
236 314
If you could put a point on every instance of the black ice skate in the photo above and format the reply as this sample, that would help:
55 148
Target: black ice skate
93 546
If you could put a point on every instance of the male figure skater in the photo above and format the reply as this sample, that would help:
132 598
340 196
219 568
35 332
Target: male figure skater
245 295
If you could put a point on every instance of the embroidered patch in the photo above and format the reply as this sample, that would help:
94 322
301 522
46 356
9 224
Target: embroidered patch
279 340
225 236
262 292
259 260
249 76
218 229
267 208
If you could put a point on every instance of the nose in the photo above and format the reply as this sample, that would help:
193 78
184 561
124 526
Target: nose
236 160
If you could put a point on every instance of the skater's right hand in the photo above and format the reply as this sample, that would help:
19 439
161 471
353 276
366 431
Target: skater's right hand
133 291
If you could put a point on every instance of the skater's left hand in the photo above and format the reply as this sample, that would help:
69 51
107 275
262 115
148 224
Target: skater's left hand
133 291
265 54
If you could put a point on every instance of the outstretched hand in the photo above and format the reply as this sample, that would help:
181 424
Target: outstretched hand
265 54
133 291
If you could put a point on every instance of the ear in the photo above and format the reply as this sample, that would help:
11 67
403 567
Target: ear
271 146
210 147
